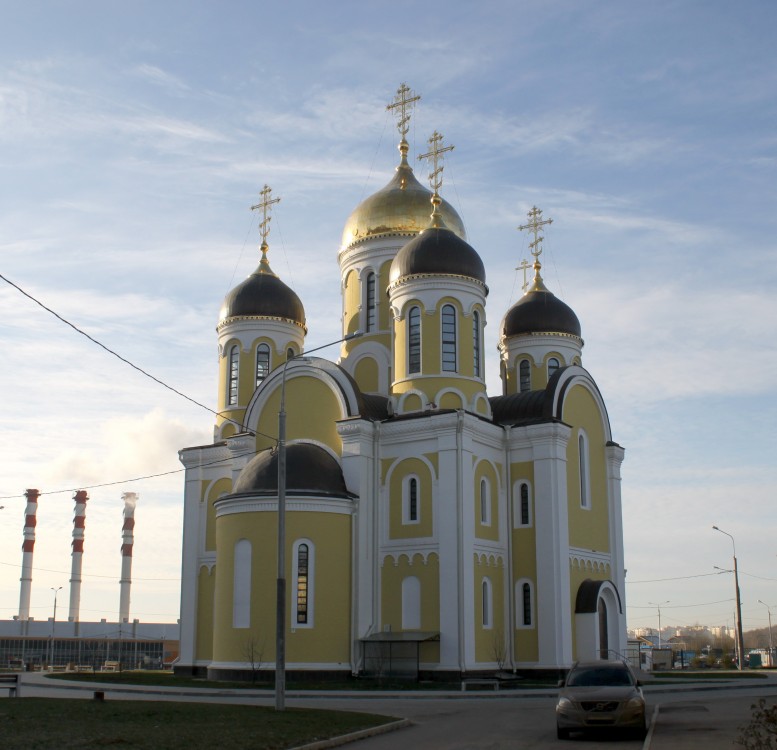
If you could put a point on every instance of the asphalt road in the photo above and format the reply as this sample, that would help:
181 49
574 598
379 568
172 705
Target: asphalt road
704 716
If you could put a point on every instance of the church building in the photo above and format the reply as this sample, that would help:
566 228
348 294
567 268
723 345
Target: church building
430 528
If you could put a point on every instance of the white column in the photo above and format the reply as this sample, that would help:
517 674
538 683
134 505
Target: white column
614 456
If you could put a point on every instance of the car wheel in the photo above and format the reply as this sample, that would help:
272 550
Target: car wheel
562 734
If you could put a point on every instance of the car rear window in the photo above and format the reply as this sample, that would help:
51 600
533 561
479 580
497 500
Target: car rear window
593 676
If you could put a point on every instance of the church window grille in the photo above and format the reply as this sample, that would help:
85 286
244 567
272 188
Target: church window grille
585 491
524 370
485 503
476 343
372 310
449 338
553 365
487 604
414 340
262 362
234 363
526 603
303 560
525 515
412 500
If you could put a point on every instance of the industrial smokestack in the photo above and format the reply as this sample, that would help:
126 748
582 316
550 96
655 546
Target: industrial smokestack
127 539
79 523
30 520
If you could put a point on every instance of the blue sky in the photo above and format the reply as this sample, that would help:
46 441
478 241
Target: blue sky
134 138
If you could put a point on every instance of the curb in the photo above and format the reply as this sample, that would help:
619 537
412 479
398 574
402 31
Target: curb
362 734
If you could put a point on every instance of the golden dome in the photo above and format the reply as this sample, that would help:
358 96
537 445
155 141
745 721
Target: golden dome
402 207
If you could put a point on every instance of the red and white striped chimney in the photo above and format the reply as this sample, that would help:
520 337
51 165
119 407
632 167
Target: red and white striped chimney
127 540
79 524
30 520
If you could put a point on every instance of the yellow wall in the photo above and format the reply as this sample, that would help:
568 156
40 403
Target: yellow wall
206 583
366 375
486 470
328 641
424 527
489 642
213 492
428 574
589 528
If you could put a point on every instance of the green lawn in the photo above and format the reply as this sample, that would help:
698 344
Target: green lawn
32 723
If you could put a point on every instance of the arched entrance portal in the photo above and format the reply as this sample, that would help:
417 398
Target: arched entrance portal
598 616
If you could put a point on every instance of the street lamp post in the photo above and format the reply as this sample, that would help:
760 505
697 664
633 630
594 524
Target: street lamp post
771 645
54 623
280 603
659 605
740 636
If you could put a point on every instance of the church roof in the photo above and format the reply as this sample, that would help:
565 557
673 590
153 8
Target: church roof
263 295
437 251
310 470
540 311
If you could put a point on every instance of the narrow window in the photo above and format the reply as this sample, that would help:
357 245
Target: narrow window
476 343
582 449
234 361
302 583
262 362
487 605
241 585
485 503
553 365
524 504
370 303
414 340
289 353
412 500
525 375
302 587
448 338
411 603
526 600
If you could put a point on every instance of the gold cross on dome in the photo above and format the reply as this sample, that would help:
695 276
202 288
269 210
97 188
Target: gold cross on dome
524 266
435 153
403 104
264 206
536 222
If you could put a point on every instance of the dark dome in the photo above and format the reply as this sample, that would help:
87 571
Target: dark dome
540 311
437 251
263 295
309 470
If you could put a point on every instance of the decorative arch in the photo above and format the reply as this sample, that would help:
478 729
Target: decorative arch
598 620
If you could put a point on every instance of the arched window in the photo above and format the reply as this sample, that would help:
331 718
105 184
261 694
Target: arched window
414 340
485 503
234 362
303 568
448 338
290 353
411 514
262 362
585 487
411 603
525 514
524 604
524 370
241 585
487 604
553 365
476 343
371 309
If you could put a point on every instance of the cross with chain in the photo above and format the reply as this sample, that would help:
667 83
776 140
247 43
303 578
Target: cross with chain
435 154
403 103
535 225
264 206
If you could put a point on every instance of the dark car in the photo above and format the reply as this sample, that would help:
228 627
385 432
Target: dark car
600 695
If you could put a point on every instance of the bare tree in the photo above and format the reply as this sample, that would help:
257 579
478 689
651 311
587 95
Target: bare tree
253 651
499 650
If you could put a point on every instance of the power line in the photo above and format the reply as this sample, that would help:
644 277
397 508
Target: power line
124 359
88 575
677 578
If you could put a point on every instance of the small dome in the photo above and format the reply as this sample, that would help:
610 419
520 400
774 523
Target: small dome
263 295
402 207
540 311
437 251
309 470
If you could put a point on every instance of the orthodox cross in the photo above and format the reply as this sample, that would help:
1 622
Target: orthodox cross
264 207
535 225
524 266
435 154
403 104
